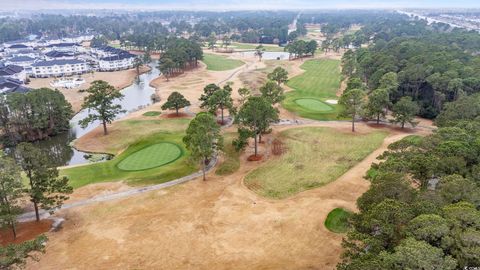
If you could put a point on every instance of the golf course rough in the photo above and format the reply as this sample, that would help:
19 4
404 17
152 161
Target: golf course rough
151 157
313 105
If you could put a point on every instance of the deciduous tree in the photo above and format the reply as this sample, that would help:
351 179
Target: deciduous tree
11 190
352 102
404 111
279 75
175 102
377 104
272 92
244 94
137 63
413 254
46 189
100 104
203 138
212 40
166 66
259 50
221 99
207 93
255 116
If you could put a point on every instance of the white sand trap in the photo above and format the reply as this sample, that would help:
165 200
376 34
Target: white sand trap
331 101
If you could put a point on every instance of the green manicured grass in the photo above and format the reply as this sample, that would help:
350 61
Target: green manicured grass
315 156
135 135
150 157
152 113
248 46
320 81
313 105
413 139
337 220
220 62
231 162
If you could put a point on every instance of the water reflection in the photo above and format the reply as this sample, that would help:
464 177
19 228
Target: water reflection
135 96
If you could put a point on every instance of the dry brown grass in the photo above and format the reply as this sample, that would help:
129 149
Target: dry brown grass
213 224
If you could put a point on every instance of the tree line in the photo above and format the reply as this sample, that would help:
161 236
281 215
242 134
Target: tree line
422 209
33 116
427 67
45 189
301 48
178 55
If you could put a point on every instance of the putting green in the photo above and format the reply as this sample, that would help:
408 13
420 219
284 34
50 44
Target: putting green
151 157
312 104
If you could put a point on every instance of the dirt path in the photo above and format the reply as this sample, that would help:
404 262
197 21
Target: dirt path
217 224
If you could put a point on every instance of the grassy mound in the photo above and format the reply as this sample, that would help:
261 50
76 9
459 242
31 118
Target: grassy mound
314 157
337 220
151 157
320 81
152 113
313 105
220 63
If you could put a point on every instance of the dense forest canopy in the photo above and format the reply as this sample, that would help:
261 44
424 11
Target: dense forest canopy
253 26
422 209
432 66
336 21
179 54
33 116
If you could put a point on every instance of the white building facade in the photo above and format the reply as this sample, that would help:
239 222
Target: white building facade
59 68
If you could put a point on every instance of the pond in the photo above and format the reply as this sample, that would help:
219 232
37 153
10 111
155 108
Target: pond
136 96
266 55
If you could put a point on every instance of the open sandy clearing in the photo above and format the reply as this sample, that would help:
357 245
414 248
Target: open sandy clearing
217 224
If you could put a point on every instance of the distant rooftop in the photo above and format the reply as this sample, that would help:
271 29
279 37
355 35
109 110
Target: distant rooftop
62 45
58 63
120 56
10 70
18 46
9 85
57 54
21 59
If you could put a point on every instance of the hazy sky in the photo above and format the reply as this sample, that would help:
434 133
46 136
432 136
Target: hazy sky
231 4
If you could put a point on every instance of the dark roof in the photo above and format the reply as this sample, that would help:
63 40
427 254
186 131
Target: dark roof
110 49
18 46
120 56
21 59
57 54
18 41
9 85
28 50
58 62
62 45
10 70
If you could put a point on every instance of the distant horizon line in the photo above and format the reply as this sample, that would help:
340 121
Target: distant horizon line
153 9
